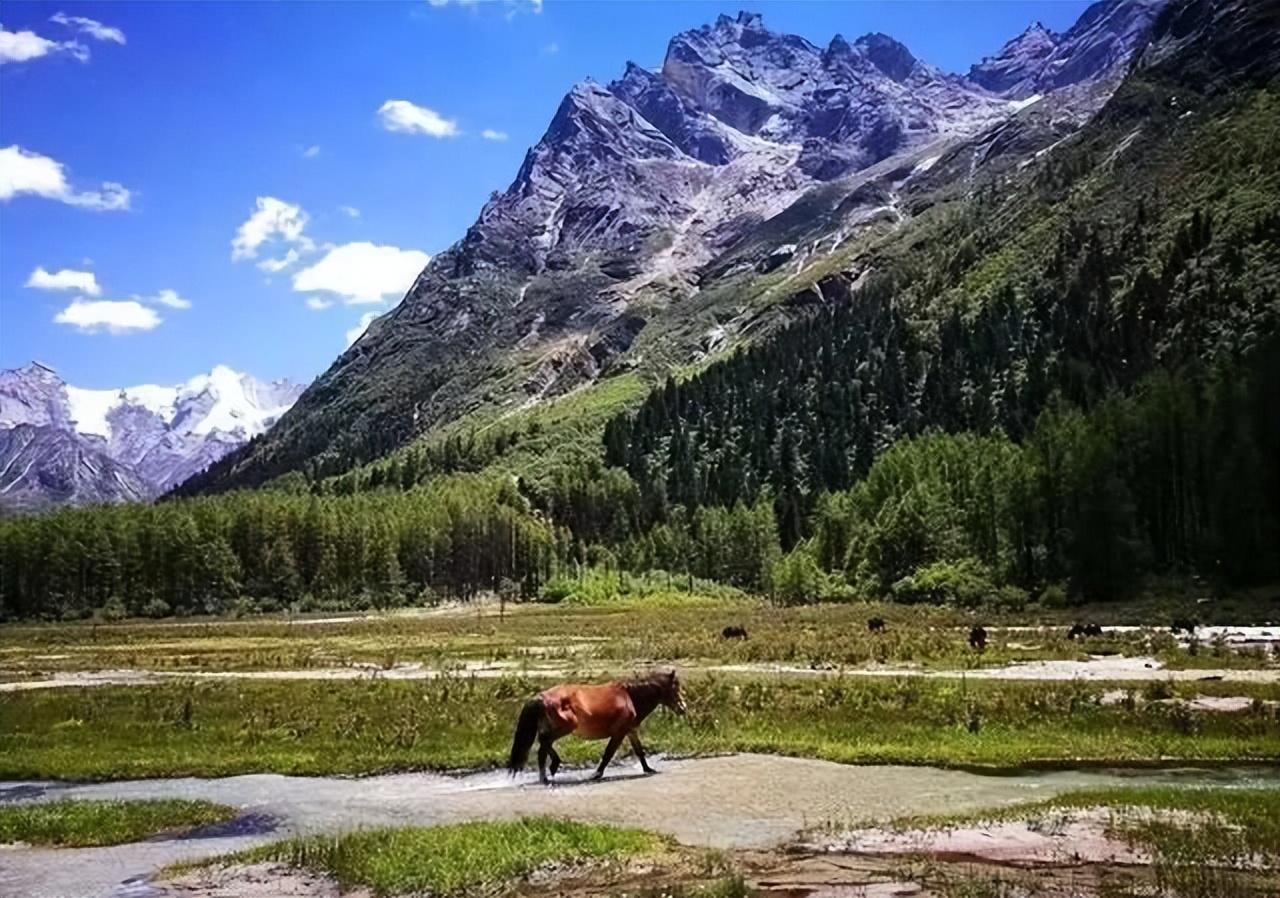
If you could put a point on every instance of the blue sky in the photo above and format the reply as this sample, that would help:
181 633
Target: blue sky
197 110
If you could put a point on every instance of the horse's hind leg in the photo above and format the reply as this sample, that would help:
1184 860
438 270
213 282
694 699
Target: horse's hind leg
543 749
547 749
639 750
609 751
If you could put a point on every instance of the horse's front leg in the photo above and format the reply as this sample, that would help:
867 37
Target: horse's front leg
639 750
609 751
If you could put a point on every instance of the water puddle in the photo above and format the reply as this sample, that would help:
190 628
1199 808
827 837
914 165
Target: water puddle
242 825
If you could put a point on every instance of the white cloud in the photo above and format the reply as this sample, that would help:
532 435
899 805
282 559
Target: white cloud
318 303
66 279
22 171
171 299
275 266
21 46
350 211
406 118
91 27
363 272
311 152
273 218
361 326
515 7
490 134
113 316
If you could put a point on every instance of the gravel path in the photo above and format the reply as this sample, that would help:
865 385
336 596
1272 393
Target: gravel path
736 801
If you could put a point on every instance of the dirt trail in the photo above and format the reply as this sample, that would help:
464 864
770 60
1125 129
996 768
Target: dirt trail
1098 668
737 801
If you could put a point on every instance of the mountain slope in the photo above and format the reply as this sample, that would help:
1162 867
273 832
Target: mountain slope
43 465
1134 270
649 227
67 445
1037 361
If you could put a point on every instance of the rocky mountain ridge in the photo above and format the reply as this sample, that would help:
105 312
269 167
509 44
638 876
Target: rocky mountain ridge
61 444
1039 61
654 220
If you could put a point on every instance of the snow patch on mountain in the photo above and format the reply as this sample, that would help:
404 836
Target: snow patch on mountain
129 443
224 400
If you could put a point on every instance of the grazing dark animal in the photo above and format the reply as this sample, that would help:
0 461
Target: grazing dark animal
876 625
978 638
1184 625
1092 630
1084 630
734 632
612 711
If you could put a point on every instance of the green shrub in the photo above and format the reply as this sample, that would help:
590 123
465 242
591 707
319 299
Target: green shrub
965 583
156 607
604 586
1054 596
797 578
113 609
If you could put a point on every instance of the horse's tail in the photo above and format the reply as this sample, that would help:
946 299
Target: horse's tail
526 732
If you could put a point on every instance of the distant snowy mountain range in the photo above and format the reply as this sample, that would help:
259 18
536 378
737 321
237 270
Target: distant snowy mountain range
61 444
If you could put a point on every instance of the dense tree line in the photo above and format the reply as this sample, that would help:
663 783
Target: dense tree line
811 409
1181 477
452 537
1055 389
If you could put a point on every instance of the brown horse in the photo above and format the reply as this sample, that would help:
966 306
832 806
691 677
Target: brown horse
612 711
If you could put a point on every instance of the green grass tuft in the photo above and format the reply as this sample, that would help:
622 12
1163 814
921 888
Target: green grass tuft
460 859
79 824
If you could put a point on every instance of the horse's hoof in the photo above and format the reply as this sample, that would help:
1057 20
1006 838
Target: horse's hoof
649 771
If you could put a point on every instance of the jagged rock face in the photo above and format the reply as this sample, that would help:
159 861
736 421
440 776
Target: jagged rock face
43 465
64 445
1014 70
699 136
850 105
32 395
1038 61
638 197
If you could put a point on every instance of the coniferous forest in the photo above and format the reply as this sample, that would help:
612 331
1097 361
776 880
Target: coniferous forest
1055 385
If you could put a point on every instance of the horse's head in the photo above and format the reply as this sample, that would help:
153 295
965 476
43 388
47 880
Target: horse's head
671 696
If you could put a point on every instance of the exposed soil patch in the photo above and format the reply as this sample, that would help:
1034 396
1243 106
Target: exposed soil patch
268 880
1056 838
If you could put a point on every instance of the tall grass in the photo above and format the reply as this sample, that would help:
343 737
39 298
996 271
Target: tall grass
222 728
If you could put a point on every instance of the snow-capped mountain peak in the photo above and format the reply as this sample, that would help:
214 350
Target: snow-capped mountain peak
156 435
221 401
